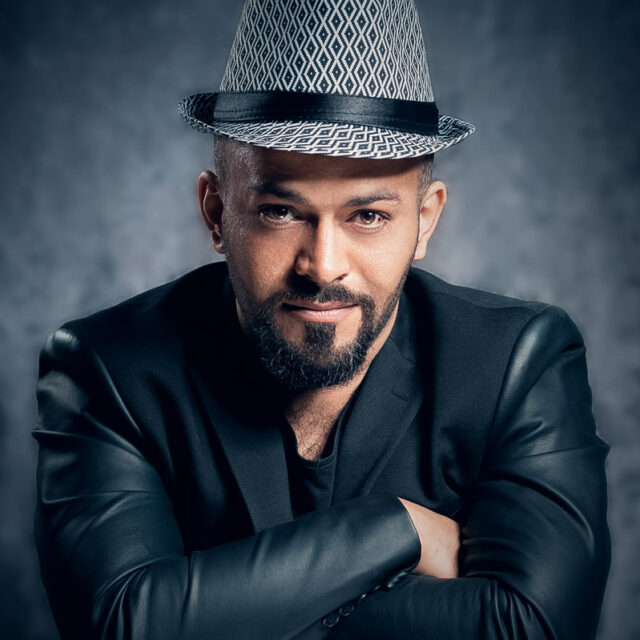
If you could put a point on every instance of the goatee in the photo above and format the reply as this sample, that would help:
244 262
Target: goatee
315 363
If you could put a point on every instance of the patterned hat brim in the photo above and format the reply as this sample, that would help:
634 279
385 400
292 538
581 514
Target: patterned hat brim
326 138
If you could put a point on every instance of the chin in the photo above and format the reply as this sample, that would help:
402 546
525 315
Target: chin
314 362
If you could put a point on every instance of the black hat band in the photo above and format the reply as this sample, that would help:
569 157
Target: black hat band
411 116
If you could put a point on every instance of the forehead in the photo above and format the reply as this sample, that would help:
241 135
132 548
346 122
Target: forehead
251 165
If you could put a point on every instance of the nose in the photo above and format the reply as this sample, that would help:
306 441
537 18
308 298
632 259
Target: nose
323 257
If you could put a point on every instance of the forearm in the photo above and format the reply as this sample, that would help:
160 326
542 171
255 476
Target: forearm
271 585
423 607
276 583
531 568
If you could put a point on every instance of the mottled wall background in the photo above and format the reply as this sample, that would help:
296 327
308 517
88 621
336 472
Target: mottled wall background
97 201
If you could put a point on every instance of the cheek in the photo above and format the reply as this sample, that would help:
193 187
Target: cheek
383 262
262 261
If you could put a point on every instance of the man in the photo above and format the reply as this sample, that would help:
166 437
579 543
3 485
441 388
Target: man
312 439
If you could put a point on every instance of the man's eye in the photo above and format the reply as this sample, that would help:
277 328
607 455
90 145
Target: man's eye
277 213
371 219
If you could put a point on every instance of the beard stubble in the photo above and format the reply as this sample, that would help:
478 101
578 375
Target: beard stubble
316 363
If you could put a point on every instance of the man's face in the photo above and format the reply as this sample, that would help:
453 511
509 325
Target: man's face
318 249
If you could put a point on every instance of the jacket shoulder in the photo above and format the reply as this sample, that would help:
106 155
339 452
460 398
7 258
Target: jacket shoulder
158 310
484 316
467 323
457 295
143 332
474 347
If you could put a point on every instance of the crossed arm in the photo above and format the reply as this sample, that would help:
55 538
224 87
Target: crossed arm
535 548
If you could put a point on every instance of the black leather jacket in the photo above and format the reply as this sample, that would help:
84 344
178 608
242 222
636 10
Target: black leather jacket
163 508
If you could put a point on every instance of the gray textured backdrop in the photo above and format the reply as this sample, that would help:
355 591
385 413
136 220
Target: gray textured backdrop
97 201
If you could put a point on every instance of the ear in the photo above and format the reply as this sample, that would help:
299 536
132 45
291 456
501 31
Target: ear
211 207
430 210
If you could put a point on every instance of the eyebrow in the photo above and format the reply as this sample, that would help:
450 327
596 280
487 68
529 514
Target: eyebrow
271 187
362 201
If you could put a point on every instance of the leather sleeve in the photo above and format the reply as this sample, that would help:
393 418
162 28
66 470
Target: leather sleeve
535 544
111 553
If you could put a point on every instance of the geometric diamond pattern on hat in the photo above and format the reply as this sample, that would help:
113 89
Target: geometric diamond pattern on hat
356 141
371 48
368 48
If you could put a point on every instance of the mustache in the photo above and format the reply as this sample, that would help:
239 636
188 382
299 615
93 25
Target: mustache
313 293
332 293
307 291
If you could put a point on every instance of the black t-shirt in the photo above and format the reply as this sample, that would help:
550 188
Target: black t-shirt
311 481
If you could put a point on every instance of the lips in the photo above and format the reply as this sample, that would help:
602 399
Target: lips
319 311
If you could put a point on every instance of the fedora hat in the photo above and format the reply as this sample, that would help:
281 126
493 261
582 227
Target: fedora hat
332 77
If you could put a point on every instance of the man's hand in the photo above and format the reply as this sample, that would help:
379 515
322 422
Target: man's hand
440 540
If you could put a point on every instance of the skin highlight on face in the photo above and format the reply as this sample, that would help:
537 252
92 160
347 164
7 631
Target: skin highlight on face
318 249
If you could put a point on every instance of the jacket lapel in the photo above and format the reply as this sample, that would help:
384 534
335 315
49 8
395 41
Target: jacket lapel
387 403
255 451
